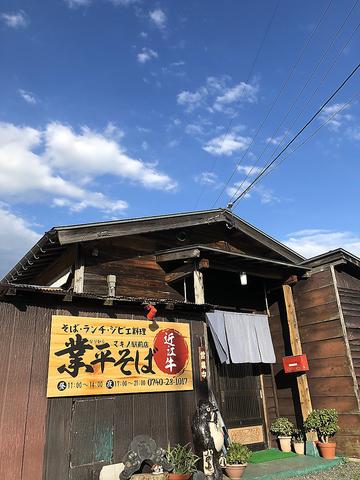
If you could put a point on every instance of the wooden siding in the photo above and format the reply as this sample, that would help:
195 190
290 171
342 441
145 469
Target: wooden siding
330 378
349 292
72 438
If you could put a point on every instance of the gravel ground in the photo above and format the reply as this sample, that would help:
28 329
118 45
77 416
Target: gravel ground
348 471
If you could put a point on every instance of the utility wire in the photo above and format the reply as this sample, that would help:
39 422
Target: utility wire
261 174
287 133
308 138
268 27
282 89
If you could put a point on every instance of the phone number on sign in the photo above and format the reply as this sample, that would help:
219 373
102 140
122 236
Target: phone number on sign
167 381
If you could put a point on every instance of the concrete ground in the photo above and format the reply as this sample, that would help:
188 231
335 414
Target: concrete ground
347 471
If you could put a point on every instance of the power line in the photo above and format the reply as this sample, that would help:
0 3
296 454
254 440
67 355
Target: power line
261 174
227 131
286 134
308 138
282 89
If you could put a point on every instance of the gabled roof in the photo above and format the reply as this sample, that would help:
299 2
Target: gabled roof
54 242
337 256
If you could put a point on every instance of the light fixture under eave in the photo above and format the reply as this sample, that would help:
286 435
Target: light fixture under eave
243 278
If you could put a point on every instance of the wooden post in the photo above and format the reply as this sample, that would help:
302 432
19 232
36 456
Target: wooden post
303 387
199 287
79 272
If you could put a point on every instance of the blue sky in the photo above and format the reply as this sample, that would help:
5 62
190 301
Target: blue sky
124 108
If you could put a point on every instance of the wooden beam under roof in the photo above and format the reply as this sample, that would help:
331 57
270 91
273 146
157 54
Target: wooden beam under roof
253 271
178 255
186 270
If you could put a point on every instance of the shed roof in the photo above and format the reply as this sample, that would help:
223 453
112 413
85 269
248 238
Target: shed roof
13 288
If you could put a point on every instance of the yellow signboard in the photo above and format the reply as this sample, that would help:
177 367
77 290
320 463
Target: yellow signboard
99 356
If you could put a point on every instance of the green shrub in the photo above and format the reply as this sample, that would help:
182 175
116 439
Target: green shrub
282 427
324 422
182 457
237 454
298 435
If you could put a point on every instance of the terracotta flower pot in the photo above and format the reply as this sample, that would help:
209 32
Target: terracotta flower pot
327 450
299 448
235 472
179 476
285 444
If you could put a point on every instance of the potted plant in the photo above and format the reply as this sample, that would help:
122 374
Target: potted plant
298 439
325 423
237 456
184 461
282 428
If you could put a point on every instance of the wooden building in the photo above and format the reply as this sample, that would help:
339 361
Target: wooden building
185 265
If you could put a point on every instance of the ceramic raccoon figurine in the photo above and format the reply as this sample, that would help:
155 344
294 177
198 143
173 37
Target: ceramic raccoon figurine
208 439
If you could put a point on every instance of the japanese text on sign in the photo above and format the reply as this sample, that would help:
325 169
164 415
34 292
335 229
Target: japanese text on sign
97 356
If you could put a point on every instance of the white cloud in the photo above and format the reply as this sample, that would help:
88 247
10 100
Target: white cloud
15 20
27 96
274 140
51 165
16 238
191 100
336 120
91 153
237 188
123 3
242 92
207 178
354 133
77 3
250 170
227 144
312 242
194 129
264 194
146 54
217 95
173 143
158 18
85 3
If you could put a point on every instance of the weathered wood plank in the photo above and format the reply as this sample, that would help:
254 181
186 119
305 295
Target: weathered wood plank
315 298
321 331
16 394
323 368
36 416
342 404
325 348
318 314
332 386
57 451
314 282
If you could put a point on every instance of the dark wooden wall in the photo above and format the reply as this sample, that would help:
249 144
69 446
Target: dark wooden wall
349 292
143 277
330 378
73 438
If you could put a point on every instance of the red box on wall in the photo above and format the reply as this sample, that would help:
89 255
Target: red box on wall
295 363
